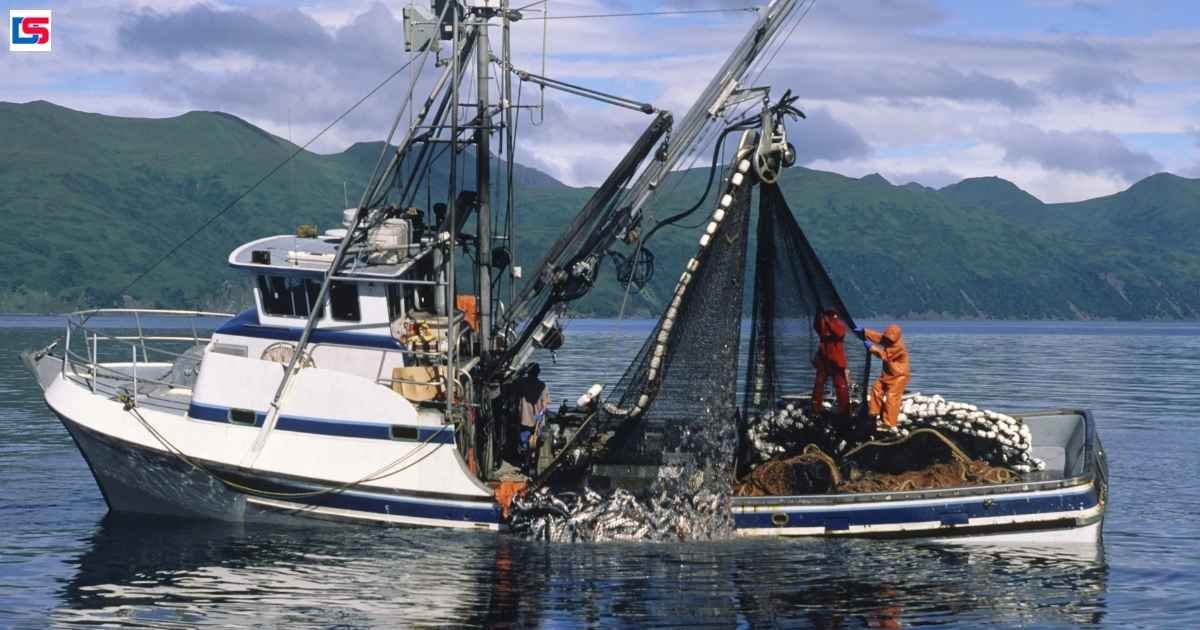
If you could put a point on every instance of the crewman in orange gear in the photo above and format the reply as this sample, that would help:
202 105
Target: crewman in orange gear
888 391
830 361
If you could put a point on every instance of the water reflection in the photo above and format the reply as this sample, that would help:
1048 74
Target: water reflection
57 557
141 571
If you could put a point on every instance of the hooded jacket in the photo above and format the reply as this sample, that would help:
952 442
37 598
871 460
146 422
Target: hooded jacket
894 353
831 330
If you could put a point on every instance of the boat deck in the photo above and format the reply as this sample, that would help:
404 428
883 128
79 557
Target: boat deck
116 379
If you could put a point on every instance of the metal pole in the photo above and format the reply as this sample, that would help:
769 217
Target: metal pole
141 337
483 182
67 347
451 222
373 186
509 212
95 351
134 371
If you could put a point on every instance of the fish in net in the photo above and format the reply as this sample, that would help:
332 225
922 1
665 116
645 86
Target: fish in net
667 427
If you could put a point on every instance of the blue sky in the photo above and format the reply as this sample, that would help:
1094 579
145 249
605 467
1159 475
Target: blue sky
1070 99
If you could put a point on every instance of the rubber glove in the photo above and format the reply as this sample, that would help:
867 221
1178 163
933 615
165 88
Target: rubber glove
867 344
859 331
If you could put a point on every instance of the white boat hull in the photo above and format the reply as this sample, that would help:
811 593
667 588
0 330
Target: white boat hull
138 472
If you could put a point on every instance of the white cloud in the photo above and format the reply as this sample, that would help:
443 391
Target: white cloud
883 79
1085 152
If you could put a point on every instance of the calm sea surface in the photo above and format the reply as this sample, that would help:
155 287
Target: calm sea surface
64 562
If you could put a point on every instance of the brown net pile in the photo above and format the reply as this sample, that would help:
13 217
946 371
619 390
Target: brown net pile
937 476
811 472
924 460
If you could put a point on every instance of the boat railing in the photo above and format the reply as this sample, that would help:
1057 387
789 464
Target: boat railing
122 363
463 382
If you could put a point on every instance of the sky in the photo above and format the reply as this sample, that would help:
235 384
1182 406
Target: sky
1069 99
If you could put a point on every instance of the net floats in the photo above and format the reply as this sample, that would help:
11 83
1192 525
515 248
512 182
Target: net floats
997 438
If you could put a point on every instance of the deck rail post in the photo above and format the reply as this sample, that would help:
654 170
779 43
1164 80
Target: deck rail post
137 317
67 349
95 354
133 371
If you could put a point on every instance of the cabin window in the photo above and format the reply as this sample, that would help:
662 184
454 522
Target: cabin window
243 416
400 432
343 302
288 297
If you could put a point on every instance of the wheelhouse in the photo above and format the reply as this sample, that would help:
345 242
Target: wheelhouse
385 317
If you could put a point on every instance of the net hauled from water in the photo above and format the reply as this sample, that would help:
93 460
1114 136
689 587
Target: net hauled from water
680 393
791 289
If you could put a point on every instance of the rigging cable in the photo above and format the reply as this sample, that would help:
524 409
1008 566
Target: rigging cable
783 42
209 221
744 123
641 247
646 13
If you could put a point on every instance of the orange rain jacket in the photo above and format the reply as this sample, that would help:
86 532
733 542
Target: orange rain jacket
832 332
894 355
830 362
888 391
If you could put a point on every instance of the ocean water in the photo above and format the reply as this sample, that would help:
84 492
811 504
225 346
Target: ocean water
64 561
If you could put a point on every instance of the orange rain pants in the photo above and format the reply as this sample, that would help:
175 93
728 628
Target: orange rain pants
830 362
829 369
888 391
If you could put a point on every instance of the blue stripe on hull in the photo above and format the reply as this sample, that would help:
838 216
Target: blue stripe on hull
949 513
137 479
322 426
398 506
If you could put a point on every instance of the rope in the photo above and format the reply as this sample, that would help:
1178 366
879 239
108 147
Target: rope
378 474
958 453
207 222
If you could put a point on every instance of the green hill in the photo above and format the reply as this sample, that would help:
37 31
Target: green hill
90 201
996 194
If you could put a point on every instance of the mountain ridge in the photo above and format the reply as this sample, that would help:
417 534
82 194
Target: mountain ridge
94 198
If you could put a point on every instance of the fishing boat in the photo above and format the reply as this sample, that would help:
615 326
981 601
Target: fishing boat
379 375
365 383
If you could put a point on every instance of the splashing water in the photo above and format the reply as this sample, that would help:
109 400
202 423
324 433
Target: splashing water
690 500
678 506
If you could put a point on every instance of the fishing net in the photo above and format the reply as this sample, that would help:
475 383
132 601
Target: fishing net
924 460
680 393
791 289
667 426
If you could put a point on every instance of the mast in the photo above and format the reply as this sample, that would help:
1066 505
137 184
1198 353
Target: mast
483 182
506 103
452 221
